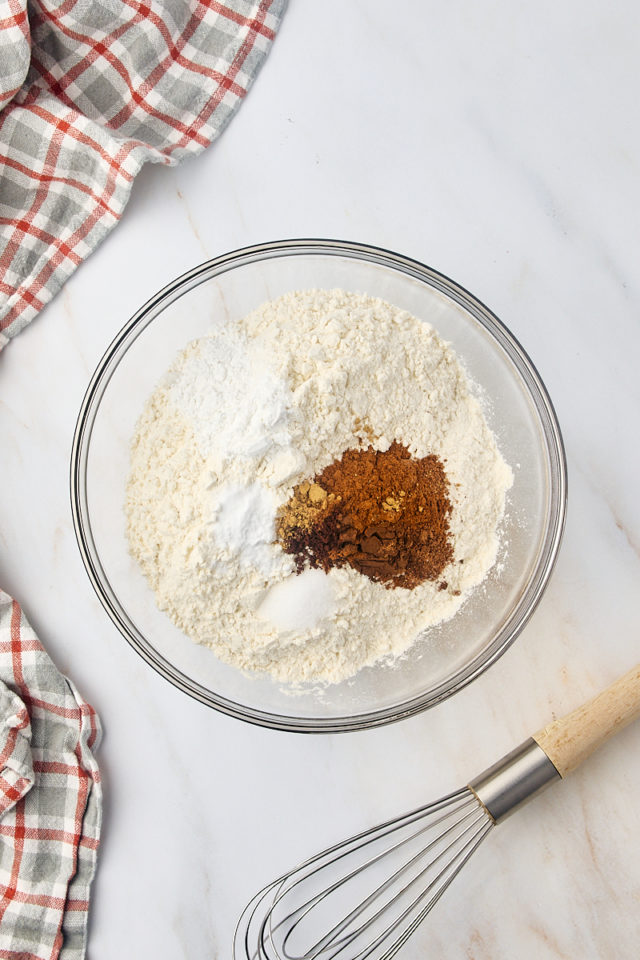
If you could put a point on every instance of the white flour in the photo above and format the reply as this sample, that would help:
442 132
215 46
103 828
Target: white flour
263 404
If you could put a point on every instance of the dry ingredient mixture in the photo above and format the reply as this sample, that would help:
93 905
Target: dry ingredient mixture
313 486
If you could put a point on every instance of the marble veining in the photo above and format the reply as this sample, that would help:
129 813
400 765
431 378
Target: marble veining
497 144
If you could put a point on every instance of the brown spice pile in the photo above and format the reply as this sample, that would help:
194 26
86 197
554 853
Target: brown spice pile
385 514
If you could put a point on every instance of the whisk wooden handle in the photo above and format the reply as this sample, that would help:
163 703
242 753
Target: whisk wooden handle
571 739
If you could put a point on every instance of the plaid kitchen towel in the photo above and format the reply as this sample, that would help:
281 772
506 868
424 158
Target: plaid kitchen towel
50 800
92 89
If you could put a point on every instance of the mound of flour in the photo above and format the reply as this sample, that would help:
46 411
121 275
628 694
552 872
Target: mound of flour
264 403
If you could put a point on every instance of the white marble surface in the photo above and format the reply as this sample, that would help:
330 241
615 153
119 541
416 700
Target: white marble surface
498 143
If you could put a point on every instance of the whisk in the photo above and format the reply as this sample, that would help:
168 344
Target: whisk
364 897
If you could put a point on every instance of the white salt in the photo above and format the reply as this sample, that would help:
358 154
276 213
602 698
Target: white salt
299 603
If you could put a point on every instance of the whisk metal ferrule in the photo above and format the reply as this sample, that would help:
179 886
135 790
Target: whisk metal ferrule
514 779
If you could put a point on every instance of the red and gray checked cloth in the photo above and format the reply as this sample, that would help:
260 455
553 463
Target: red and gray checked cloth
50 800
90 90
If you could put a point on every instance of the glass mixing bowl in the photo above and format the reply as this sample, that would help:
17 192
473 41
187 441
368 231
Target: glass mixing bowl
517 408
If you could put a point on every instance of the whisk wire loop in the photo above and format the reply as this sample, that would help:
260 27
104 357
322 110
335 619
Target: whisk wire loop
457 865
330 939
378 910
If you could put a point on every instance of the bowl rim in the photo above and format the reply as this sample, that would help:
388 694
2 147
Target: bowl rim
539 396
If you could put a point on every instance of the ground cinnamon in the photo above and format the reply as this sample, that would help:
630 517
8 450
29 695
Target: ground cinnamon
386 514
